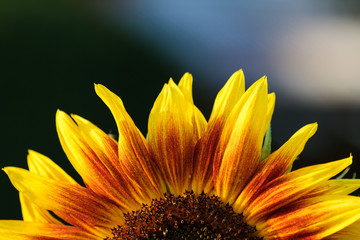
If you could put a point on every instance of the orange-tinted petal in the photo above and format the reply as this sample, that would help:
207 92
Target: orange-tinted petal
172 137
94 156
314 218
76 205
199 121
42 166
134 156
106 150
275 165
20 230
206 147
290 187
34 213
335 186
351 232
239 150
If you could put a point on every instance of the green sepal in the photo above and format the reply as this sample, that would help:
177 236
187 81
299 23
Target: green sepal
266 150
343 173
290 168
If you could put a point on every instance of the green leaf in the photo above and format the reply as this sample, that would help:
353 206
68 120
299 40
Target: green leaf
266 150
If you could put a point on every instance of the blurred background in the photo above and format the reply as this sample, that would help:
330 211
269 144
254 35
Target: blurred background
52 52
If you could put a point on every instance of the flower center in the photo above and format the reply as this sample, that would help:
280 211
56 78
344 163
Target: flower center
184 217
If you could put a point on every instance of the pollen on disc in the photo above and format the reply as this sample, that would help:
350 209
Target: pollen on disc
184 217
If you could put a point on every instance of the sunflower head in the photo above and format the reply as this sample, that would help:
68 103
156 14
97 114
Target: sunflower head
191 178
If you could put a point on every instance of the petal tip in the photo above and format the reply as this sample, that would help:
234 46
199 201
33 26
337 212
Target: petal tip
9 171
238 76
312 128
347 161
99 87
239 72
187 74
60 117
263 80
31 152
315 126
171 82
60 114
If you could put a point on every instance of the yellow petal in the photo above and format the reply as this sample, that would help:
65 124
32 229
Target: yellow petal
185 86
270 109
172 137
138 187
290 187
20 230
34 213
44 166
206 147
228 96
74 204
204 153
336 186
134 156
239 150
274 166
94 158
314 218
351 232
199 121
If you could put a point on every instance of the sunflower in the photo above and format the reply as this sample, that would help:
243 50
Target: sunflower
189 179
